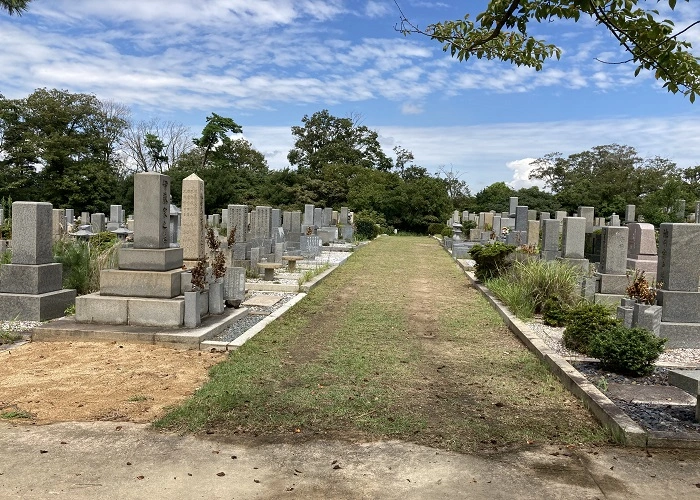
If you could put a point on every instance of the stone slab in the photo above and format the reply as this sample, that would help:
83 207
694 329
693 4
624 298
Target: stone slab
263 300
143 259
155 312
679 257
151 284
613 283
40 307
679 307
686 380
650 394
95 308
647 265
31 279
608 299
181 338
680 335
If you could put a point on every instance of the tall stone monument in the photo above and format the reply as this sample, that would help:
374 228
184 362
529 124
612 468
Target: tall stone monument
193 219
31 286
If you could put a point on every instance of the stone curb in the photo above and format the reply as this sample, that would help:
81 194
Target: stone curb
252 331
623 429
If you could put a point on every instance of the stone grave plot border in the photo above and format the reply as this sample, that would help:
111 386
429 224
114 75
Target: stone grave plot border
622 428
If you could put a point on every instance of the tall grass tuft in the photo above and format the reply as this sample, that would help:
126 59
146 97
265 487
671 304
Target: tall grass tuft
526 286
83 261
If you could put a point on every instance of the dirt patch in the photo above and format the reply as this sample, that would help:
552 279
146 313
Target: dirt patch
86 381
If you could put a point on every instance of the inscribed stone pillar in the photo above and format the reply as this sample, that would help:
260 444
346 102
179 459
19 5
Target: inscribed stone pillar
573 237
115 214
550 239
588 213
31 233
326 217
84 218
192 234
287 221
224 217
238 218
98 223
630 213
343 215
70 219
614 220
679 257
308 215
681 210
513 205
521 218
455 216
152 210
613 250
296 221
533 232
318 217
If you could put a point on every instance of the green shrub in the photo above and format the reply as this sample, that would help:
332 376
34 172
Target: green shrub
627 350
491 260
470 224
436 228
585 322
554 312
367 224
447 232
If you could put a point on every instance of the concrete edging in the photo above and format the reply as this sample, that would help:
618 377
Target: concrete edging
623 429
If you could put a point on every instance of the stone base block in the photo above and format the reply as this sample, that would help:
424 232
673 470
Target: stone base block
136 311
29 279
582 264
154 312
152 284
680 335
143 259
549 254
608 299
95 308
679 307
613 283
642 264
35 307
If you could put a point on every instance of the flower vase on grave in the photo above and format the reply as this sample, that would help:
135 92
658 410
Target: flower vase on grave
192 307
216 297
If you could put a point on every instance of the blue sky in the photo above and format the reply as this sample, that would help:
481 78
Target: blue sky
267 63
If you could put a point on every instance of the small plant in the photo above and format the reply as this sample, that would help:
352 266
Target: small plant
491 260
447 232
219 260
641 290
602 384
231 238
70 310
9 337
470 224
585 322
488 227
528 249
554 313
13 414
627 350
199 275
212 240
137 398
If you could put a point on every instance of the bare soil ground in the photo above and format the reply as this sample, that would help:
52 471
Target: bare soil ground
85 381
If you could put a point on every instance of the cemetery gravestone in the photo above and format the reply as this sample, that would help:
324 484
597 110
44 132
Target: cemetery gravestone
193 226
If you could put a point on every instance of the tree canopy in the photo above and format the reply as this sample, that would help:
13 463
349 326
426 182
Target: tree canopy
502 31
14 7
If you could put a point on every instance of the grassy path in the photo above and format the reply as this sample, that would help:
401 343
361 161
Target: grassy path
394 344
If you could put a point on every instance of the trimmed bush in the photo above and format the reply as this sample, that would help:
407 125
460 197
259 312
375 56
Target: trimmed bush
627 350
554 313
470 224
436 228
491 260
585 322
447 232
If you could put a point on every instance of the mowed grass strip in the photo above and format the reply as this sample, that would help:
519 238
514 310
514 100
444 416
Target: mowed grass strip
393 344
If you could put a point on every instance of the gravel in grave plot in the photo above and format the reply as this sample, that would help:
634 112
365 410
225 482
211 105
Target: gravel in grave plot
651 416
18 327
255 315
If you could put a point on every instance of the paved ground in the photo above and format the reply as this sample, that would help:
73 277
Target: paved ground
121 460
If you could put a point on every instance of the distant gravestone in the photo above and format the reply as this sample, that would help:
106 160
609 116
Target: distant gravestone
587 213
573 237
58 220
513 205
234 283
98 222
193 227
630 213
308 215
550 239
238 218
318 217
275 220
521 218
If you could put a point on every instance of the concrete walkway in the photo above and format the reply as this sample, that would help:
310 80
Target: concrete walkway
120 460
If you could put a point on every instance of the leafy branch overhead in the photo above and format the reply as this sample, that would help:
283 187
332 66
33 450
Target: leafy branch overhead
650 41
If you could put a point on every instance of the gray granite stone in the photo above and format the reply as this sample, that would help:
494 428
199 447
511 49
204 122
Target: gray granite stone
613 257
587 213
513 204
192 232
31 279
98 222
630 213
238 218
573 237
151 210
31 233
521 218
679 257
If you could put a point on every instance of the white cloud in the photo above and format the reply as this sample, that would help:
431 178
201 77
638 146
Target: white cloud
521 171
377 8
410 108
